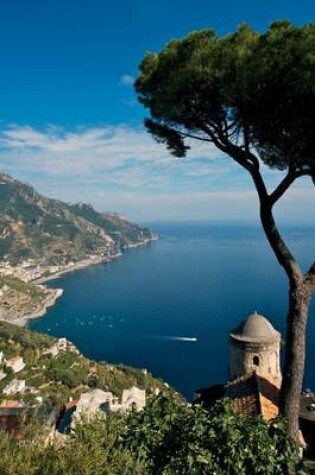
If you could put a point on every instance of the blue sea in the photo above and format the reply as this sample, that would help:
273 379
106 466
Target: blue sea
169 306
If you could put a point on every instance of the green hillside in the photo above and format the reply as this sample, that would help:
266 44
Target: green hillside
19 299
56 377
35 227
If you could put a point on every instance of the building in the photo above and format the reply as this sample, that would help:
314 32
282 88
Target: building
99 403
63 344
254 372
11 404
10 416
255 346
15 386
253 394
255 378
53 351
16 363
92 403
133 398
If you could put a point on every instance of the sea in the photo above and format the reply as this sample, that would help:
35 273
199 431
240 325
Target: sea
169 306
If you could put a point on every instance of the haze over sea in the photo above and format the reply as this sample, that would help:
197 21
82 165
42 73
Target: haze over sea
169 306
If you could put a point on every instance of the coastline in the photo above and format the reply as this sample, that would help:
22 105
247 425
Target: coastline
21 321
54 294
91 262
76 266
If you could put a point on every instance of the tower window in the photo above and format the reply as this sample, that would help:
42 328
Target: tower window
256 360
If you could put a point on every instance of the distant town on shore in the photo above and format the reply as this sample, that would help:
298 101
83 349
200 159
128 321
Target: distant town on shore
43 238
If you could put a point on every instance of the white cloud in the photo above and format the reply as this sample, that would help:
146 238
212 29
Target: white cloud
127 80
123 169
85 152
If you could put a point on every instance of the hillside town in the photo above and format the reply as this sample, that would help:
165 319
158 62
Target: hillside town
51 379
38 270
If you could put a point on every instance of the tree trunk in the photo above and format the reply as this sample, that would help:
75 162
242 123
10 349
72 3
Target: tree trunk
301 286
300 293
299 300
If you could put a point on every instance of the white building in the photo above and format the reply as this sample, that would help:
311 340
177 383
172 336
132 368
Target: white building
99 402
65 345
92 403
1 357
255 346
16 363
133 397
62 344
16 386
53 351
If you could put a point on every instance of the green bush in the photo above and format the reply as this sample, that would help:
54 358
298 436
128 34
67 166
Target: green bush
171 439
166 438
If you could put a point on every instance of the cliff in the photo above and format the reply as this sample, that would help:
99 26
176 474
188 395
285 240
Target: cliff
56 233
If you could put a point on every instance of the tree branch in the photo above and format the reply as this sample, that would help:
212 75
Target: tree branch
285 184
279 247
191 136
247 160
251 163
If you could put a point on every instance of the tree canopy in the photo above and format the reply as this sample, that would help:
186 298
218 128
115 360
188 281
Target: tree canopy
245 89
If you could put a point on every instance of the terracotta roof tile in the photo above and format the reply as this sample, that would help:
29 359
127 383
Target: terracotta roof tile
71 404
10 403
254 394
15 358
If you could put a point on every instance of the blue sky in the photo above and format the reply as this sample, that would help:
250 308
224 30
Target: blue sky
69 119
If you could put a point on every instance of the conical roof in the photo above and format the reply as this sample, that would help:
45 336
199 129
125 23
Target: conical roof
255 328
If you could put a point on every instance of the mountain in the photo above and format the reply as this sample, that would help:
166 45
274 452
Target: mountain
48 230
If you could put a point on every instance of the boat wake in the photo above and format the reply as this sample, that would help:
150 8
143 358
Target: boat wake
176 338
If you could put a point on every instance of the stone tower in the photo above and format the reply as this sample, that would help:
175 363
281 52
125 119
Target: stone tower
255 345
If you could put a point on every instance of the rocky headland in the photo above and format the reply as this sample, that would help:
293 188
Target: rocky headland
42 239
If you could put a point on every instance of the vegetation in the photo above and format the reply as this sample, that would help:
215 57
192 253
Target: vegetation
166 438
252 95
32 226
123 232
18 298
21 287
35 293
68 374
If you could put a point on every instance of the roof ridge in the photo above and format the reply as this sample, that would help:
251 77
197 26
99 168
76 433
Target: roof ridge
241 378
